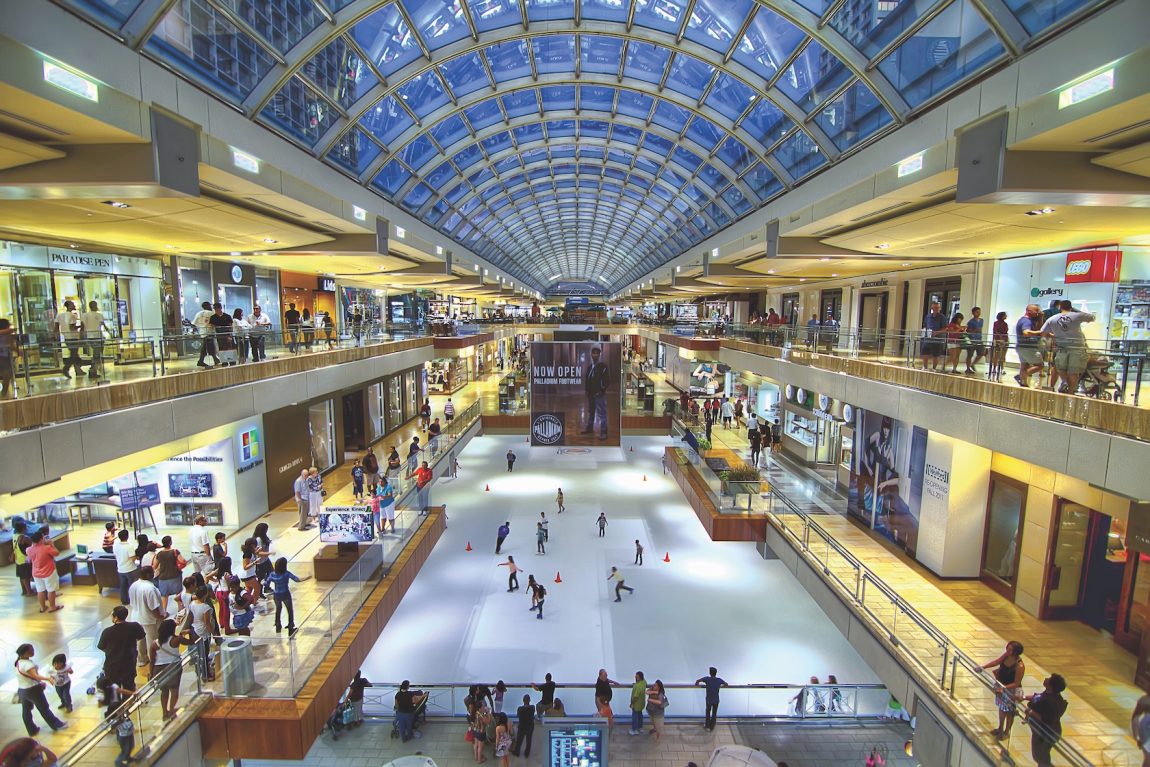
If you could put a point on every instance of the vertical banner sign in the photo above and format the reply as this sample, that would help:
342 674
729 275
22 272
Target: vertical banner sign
576 393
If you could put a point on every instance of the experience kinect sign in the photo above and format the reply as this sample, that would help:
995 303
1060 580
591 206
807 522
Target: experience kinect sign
576 393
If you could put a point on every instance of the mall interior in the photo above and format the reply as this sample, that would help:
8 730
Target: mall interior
912 237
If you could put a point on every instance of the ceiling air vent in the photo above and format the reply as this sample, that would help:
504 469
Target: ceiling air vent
214 187
269 206
880 212
5 114
828 230
944 190
1118 132
325 227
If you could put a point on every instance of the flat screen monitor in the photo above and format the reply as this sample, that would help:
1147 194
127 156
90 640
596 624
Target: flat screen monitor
346 526
190 486
576 746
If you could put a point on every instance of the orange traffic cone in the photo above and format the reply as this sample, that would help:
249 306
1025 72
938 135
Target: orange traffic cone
668 557
487 488
468 546
644 477
557 578
632 449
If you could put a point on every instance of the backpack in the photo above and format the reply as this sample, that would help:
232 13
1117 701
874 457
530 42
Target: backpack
540 592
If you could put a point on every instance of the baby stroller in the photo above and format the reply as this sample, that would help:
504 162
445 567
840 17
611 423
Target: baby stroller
339 720
1099 382
417 721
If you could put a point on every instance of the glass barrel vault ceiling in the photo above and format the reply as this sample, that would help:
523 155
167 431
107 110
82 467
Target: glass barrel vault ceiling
581 139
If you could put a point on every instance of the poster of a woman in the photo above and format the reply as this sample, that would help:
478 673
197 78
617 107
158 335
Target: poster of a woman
883 494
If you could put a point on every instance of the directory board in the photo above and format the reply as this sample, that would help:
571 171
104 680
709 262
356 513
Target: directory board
576 746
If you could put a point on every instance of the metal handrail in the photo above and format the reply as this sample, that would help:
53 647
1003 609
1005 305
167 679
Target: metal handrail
952 656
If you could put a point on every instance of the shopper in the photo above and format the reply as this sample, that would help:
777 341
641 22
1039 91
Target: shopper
241 328
386 497
975 348
1027 331
603 695
94 326
42 556
120 644
200 619
27 752
413 451
302 500
559 500
712 683
756 446
406 701
221 323
315 492
601 522
261 326
617 576
546 692
1044 712
21 542
307 328
1070 351
727 411
510 461
656 707
776 437
280 581
513 571
425 414
449 410
1140 727
1000 339
933 342
501 535
69 327
201 551
145 608
638 702
423 477
354 698
543 521
1008 673
357 475
168 564
291 326
638 553
953 333
525 728
125 554
61 676
164 660
30 685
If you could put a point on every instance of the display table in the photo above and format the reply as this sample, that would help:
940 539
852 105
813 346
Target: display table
332 562
83 572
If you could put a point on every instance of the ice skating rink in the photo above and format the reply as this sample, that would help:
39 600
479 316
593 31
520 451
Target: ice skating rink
714 604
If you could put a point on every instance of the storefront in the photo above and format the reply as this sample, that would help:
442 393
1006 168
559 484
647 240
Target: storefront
697 377
311 292
369 303
35 280
813 429
447 375
298 437
760 395
235 286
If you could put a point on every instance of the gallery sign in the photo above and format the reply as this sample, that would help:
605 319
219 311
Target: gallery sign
1093 266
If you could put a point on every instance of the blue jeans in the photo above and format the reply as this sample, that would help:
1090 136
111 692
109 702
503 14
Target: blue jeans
424 498
126 580
597 409
637 720
405 722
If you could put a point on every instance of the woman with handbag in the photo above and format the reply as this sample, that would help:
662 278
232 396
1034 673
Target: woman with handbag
656 707
478 731
503 739
30 685
168 564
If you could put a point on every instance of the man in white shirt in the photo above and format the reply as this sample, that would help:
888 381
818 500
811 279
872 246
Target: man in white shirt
145 607
203 323
301 500
261 327
201 546
94 325
68 325
125 555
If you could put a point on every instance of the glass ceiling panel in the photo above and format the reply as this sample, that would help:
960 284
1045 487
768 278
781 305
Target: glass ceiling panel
386 39
387 120
601 54
597 97
354 152
813 76
730 97
339 73
870 26
439 23
670 116
714 23
508 60
281 23
391 178
954 45
465 158
201 42
634 104
605 10
768 42
665 15
689 76
299 112
799 155
493 14
766 123
449 131
483 114
554 53
1039 15
111 14
853 116
418 152
646 61
550 10
520 103
423 94
705 133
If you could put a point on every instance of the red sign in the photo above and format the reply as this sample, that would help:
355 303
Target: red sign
1093 266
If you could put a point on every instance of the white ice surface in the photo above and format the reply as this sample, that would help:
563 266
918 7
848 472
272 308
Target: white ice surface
714 603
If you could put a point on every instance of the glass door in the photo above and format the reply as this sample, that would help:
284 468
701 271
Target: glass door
1065 573
1005 511
1135 603
37 310
790 308
946 293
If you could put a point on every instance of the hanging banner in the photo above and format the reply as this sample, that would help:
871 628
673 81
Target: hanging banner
576 393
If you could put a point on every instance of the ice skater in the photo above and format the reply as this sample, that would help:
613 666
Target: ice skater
510 461
619 584
602 523
559 500
512 573
543 521
541 597
454 467
638 553
533 590
540 537
504 531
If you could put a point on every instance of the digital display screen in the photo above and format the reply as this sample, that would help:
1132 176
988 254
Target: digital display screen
346 525
190 486
576 747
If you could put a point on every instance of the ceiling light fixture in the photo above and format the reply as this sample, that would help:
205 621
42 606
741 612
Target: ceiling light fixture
982 253
439 250
834 275
235 253
245 161
1040 212
906 263
1087 89
270 241
824 260
71 81
400 232
770 271
116 204
882 246
910 165
359 213
802 279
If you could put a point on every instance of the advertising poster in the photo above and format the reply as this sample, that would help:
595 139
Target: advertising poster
576 393
699 378
887 477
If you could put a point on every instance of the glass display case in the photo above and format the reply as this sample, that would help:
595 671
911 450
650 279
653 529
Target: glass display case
819 437
802 429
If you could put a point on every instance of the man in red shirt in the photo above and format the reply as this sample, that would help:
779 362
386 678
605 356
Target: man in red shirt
423 477
42 556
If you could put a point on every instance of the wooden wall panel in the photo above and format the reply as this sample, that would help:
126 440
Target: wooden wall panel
720 527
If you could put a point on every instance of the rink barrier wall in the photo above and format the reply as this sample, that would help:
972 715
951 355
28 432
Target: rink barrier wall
284 728
732 526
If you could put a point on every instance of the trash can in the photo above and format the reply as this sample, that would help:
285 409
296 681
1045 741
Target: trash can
238 666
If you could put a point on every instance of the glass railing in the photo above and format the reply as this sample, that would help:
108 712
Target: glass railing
915 639
282 664
144 712
687 701
153 352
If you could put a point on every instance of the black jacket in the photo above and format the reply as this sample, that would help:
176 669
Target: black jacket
526 715
595 379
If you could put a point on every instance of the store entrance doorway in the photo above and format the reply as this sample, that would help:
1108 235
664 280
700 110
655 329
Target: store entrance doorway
872 319
1087 568
354 437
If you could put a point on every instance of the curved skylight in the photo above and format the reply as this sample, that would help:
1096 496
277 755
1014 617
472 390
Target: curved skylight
594 139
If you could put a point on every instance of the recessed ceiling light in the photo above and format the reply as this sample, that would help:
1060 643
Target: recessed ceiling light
245 161
882 246
906 263
73 245
824 259
770 271
802 279
117 204
834 275
982 253
169 246
270 241
359 213
1040 212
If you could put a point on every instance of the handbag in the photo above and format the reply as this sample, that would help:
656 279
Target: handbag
469 736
